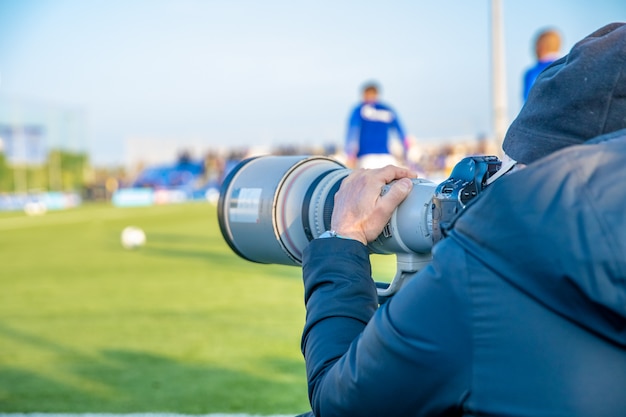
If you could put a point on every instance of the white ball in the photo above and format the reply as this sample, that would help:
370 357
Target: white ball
133 237
35 208
212 195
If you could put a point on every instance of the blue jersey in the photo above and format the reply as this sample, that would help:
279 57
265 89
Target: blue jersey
368 130
532 73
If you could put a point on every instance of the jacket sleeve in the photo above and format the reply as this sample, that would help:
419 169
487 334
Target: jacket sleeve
410 357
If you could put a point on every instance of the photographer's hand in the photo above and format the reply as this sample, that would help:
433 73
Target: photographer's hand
360 211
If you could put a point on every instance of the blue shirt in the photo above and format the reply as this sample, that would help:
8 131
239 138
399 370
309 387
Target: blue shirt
532 73
368 130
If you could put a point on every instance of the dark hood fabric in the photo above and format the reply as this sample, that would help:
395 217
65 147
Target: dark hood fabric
578 97
561 236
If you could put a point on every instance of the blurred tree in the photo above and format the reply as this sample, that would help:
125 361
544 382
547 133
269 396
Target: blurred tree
6 174
62 171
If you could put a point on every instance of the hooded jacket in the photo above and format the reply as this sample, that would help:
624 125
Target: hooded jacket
522 311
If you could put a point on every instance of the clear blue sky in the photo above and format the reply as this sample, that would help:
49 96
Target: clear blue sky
237 72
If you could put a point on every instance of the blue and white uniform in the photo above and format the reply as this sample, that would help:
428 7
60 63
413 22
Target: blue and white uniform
369 128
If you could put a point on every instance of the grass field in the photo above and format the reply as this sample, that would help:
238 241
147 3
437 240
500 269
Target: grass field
181 325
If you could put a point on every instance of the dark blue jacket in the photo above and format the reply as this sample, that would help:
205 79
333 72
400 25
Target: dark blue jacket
522 311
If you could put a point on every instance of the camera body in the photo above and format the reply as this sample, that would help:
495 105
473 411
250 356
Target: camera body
271 207
467 180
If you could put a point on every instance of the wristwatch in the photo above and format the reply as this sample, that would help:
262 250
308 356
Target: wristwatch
327 234
332 233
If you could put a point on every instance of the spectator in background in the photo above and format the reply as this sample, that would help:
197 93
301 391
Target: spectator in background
367 142
547 49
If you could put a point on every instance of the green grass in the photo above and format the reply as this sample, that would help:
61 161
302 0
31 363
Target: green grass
180 325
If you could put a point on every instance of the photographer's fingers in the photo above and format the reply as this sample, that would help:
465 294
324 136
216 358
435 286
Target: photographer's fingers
360 210
397 192
398 189
392 172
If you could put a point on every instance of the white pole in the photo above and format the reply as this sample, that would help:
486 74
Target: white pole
500 122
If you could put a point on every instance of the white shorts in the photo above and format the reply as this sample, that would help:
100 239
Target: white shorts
376 160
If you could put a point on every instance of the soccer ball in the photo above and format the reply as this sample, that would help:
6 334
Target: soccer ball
133 237
35 208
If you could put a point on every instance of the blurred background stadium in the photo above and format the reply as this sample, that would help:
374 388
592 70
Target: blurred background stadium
44 157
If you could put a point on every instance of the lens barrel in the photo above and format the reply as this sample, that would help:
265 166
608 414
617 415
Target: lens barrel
270 207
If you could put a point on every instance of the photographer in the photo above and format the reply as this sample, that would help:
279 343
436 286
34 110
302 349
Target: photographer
522 310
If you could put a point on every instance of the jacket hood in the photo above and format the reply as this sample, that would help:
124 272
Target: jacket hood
557 231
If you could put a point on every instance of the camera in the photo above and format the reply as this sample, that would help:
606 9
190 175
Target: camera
271 207
467 180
